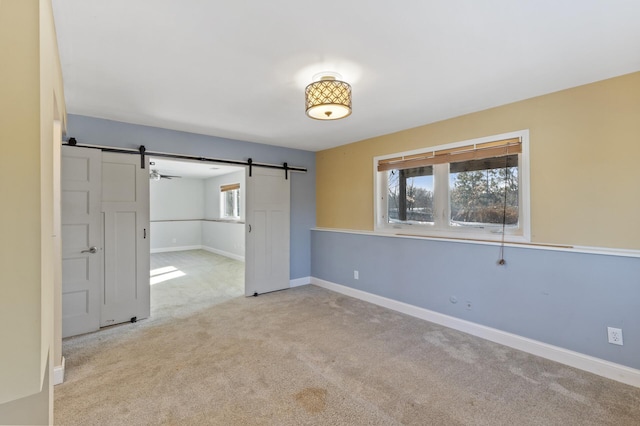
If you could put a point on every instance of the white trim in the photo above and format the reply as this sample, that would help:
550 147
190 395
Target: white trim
610 370
606 251
58 373
180 248
297 282
223 253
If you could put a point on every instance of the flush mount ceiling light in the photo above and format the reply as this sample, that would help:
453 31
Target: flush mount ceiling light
328 98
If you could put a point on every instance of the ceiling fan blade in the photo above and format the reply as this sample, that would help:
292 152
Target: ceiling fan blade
169 176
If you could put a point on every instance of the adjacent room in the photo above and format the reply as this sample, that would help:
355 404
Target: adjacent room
197 234
354 213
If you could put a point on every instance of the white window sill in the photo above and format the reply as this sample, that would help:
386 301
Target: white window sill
463 234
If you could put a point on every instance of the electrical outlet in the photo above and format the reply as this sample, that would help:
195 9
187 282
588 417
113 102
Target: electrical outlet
356 275
615 336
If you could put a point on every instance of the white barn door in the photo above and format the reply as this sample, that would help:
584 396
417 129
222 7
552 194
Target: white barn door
125 209
81 230
267 231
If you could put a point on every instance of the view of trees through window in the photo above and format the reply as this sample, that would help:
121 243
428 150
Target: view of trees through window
480 192
484 191
411 195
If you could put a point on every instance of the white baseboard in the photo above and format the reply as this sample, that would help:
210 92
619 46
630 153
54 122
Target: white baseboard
223 253
180 248
58 373
610 370
297 282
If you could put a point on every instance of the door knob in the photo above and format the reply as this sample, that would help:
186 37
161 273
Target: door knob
91 250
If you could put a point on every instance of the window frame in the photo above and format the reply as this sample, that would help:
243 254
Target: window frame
441 227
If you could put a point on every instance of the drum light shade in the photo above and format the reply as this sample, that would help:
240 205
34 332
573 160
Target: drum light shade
328 99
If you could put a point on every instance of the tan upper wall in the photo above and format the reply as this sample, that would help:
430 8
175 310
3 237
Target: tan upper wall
20 369
585 182
30 97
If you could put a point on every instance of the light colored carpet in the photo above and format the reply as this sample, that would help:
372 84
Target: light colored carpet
308 356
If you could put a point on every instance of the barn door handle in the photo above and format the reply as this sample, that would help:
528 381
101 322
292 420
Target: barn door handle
249 228
91 250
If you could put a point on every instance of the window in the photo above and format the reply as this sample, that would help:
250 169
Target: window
230 201
472 189
410 195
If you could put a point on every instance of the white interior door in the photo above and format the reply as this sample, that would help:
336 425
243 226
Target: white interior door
267 231
125 208
81 239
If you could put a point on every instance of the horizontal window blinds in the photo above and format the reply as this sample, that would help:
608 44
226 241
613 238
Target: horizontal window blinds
230 187
463 153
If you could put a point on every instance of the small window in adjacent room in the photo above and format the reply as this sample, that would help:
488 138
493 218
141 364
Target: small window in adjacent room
230 201
471 189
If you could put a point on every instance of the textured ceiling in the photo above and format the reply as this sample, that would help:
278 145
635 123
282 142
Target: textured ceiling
238 69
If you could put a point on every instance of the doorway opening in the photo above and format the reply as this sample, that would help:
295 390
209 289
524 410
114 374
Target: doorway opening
197 235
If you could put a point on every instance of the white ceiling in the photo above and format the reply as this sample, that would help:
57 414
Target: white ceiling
190 169
238 69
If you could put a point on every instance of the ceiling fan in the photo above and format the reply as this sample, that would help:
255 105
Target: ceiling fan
156 175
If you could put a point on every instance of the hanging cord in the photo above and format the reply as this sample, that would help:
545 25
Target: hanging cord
501 261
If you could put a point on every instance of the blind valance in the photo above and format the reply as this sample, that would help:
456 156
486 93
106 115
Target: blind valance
452 155
230 187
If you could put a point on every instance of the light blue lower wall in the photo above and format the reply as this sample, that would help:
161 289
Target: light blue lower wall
95 131
566 299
